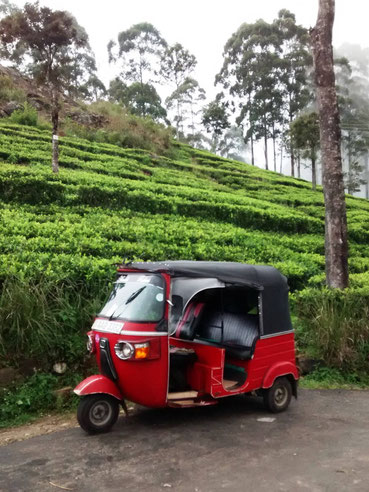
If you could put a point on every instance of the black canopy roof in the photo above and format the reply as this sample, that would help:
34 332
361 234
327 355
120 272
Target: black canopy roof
273 301
256 276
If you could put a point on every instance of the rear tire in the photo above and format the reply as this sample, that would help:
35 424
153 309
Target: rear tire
278 397
97 413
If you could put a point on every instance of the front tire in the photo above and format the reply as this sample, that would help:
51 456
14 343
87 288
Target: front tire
278 397
97 413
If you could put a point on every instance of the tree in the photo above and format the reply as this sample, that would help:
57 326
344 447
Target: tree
139 49
44 39
294 60
232 144
215 120
352 89
93 89
336 243
176 66
185 99
251 72
305 137
141 100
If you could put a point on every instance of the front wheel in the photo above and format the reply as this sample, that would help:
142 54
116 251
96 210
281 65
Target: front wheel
97 413
278 397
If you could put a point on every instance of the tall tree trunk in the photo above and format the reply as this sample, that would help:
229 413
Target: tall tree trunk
55 126
266 149
367 176
298 165
252 150
292 161
336 245
281 163
349 170
313 173
274 154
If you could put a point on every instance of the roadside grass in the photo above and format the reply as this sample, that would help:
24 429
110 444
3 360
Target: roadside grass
35 397
331 378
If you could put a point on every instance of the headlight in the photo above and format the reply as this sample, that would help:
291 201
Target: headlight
124 350
90 344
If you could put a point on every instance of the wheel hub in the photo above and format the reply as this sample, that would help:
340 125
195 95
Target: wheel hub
280 396
100 413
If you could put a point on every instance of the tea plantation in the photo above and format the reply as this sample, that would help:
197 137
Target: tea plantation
108 203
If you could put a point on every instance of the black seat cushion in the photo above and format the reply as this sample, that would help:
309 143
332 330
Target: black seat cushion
240 332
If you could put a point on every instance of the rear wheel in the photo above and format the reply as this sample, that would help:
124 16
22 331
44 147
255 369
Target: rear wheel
278 397
97 413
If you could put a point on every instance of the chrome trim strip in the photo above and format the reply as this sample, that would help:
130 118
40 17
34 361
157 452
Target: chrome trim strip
144 333
277 334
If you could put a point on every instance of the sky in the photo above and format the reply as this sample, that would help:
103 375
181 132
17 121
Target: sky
202 26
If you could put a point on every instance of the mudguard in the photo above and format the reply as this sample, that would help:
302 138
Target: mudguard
277 370
98 384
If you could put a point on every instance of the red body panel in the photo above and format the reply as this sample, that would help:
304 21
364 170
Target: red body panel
273 357
141 381
98 384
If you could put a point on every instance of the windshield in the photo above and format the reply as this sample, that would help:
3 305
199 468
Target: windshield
136 297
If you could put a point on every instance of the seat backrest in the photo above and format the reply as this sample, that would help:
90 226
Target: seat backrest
238 329
189 323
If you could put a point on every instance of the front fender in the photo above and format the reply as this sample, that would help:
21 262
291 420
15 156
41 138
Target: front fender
98 384
277 370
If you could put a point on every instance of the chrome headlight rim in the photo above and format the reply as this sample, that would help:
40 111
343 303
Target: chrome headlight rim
124 350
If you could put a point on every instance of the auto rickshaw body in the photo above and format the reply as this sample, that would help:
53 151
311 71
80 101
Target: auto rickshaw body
187 333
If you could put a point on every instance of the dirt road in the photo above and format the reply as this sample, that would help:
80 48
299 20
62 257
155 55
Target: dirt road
320 444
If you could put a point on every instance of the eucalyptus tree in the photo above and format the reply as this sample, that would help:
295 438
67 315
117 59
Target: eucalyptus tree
176 67
141 100
294 63
186 99
250 73
44 42
93 88
305 138
138 50
352 89
215 120
336 241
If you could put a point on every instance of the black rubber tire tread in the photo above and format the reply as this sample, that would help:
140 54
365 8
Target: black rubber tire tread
269 395
83 411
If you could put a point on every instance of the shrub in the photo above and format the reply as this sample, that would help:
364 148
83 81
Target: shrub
123 129
8 90
26 116
335 325
45 320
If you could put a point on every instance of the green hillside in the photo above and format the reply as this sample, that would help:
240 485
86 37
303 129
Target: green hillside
108 203
61 234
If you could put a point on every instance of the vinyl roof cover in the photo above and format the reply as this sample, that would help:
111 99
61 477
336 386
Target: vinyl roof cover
274 309
257 276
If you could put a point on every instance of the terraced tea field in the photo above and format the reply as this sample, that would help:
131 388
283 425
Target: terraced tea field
108 203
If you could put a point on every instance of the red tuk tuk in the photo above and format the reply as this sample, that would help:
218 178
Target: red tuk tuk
187 333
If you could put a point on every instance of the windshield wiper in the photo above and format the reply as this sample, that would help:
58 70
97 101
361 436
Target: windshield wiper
133 296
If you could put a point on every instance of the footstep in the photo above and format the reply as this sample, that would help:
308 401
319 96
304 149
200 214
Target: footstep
266 419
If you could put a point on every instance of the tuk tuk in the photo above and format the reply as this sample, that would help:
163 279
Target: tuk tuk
187 333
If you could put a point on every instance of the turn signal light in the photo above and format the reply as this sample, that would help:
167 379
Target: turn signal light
142 350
